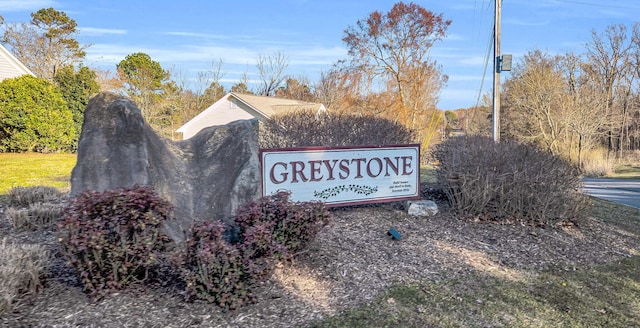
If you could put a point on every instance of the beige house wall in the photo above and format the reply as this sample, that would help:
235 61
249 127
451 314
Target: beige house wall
233 107
10 66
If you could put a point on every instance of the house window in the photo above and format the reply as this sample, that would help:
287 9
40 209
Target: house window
233 103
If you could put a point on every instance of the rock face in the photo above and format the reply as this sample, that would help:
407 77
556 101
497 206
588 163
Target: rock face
206 177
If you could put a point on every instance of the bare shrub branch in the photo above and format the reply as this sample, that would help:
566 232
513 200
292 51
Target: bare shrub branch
307 128
508 182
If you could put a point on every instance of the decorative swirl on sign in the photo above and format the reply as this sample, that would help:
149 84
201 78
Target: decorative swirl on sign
334 191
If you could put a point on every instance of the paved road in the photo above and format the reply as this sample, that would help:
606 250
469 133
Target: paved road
623 191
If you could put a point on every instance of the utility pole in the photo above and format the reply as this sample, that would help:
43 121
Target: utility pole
496 71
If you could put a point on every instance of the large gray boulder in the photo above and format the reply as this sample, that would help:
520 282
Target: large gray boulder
206 177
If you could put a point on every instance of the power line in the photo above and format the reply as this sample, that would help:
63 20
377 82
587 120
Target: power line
486 64
486 59
596 4
477 19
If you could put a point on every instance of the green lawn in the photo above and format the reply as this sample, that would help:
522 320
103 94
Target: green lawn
627 171
34 169
428 173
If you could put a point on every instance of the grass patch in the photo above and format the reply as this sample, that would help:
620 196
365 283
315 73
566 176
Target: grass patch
428 174
626 171
625 217
602 296
35 169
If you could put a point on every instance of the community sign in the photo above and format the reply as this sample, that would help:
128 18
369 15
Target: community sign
340 176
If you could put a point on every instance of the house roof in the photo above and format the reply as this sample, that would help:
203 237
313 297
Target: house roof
10 66
270 106
260 107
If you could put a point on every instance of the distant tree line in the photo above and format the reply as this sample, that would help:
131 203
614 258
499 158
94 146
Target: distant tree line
569 104
400 82
574 104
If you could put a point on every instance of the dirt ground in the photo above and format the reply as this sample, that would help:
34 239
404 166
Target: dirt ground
351 261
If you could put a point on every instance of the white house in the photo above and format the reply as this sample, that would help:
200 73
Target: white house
236 106
10 66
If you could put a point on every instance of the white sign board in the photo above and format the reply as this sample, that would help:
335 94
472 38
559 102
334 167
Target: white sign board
345 175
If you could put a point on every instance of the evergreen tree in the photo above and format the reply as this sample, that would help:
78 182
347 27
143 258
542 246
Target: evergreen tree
77 87
144 80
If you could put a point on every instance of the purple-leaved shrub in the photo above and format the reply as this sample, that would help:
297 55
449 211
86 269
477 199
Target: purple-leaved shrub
295 224
213 269
113 238
224 270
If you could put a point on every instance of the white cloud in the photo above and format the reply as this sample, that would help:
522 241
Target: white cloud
316 56
93 31
459 98
26 5
455 37
199 35
617 13
455 78
465 7
108 55
454 98
472 61
203 55
522 22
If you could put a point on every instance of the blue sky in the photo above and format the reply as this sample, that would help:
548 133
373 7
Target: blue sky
186 36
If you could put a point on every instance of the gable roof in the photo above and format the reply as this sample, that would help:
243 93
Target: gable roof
270 106
10 66
237 106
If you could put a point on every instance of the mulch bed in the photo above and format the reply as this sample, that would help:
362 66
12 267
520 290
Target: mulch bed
351 262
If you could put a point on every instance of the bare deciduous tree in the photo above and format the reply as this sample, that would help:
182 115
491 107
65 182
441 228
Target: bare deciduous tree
535 101
609 60
272 72
584 119
327 89
46 44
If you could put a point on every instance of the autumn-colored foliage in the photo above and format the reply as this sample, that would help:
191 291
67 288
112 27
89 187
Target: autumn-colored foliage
392 49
